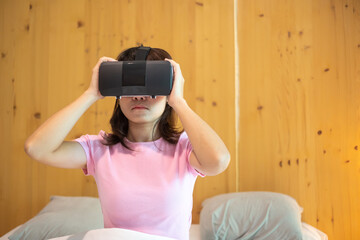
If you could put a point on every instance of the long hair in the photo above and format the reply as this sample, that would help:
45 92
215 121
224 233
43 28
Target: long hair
166 124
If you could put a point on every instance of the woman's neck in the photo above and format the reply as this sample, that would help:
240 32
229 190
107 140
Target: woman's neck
142 133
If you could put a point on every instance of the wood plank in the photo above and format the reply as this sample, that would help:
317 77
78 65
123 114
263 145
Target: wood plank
299 113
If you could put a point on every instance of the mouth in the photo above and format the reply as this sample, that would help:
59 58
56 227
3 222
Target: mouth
139 107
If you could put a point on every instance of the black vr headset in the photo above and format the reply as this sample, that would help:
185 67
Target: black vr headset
136 78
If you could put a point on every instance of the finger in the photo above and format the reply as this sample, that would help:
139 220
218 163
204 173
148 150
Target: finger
172 64
106 59
175 65
101 60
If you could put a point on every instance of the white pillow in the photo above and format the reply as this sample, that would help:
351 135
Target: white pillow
62 216
251 215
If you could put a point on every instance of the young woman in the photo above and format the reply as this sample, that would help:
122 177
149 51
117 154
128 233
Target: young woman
145 170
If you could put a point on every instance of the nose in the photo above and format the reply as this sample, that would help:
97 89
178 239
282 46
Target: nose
139 98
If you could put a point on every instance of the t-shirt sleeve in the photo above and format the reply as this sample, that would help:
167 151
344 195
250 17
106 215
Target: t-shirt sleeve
86 142
189 150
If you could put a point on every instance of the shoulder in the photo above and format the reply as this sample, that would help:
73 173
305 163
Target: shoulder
184 142
92 139
183 137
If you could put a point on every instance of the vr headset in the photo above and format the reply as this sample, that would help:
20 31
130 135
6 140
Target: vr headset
136 78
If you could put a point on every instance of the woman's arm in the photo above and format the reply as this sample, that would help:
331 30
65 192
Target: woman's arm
47 143
210 155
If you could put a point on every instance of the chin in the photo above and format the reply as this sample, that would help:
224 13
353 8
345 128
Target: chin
140 120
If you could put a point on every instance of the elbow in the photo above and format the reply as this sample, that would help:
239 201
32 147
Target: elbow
30 151
27 148
223 162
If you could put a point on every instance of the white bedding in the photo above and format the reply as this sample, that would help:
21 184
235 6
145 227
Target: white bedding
6 236
310 233
112 234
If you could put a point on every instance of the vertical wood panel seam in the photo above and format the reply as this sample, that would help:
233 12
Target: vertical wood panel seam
237 97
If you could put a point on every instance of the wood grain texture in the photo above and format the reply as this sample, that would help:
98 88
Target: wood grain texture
48 50
299 107
299 75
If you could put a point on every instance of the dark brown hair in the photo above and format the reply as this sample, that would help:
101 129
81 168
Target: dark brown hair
120 124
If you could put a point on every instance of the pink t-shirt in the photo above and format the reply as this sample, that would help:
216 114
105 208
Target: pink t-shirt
149 189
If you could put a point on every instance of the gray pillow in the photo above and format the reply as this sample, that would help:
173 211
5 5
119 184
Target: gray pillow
62 216
251 215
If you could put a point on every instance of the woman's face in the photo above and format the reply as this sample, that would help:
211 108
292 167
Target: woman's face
142 109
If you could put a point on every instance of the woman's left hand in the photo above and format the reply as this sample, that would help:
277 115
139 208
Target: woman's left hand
177 92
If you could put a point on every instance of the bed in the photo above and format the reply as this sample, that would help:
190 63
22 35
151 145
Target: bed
245 215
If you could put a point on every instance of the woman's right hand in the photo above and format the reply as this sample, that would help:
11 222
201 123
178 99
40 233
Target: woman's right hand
94 84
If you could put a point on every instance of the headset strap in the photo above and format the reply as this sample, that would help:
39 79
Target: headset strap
142 53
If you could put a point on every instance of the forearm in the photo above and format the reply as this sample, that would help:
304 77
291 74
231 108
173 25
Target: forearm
208 147
49 136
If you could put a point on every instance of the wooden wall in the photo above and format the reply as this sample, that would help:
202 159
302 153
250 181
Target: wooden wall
299 107
278 80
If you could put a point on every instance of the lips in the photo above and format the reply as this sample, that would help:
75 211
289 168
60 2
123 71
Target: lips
138 107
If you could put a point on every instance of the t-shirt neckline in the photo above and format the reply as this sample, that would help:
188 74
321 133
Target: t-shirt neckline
150 142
